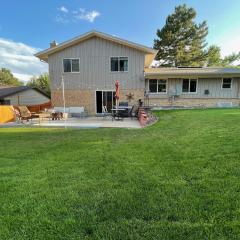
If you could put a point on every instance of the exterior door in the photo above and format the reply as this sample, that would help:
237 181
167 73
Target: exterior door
105 98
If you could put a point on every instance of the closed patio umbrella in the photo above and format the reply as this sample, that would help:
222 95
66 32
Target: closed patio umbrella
117 94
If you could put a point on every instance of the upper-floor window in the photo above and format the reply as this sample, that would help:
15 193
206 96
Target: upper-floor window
157 85
227 83
119 64
71 65
189 85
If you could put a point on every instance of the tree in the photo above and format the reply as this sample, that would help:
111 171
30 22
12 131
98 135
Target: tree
7 78
42 82
230 59
214 58
182 42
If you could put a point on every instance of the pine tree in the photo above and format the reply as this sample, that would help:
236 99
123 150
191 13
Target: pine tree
182 42
214 58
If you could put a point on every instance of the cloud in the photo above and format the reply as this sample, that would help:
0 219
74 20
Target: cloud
63 9
19 58
232 45
61 19
89 16
65 16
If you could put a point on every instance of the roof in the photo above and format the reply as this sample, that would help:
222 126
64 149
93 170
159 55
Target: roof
5 92
199 72
43 55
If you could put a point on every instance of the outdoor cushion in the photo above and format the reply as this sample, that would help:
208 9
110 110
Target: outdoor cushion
76 109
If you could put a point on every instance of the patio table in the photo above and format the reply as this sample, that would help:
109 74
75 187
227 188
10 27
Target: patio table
115 113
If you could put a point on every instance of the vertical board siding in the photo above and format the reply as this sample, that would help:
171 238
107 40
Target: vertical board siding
95 71
214 85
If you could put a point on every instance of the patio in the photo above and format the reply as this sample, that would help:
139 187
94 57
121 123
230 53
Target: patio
88 122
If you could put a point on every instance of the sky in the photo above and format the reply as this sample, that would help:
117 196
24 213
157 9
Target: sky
27 27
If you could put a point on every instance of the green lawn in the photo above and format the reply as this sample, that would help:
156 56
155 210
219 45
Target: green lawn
177 179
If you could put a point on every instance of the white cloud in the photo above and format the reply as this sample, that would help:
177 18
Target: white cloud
89 16
232 45
61 19
19 58
63 9
229 42
65 16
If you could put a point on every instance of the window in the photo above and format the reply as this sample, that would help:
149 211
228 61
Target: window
71 65
5 102
157 86
119 64
189 85
227 83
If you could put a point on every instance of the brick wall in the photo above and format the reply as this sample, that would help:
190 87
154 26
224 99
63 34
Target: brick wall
87 98
193 102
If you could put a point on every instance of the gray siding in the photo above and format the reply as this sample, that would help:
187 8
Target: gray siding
214 85
95 72
28 97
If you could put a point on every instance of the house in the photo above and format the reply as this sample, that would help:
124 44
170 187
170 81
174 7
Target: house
22 95
90 64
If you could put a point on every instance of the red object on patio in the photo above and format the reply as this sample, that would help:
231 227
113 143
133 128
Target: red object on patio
117 94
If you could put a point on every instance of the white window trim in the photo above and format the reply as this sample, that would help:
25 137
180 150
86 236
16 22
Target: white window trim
119 63
231 83
189 86
71 65
160 93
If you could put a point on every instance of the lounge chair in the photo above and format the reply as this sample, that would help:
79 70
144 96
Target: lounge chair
25 114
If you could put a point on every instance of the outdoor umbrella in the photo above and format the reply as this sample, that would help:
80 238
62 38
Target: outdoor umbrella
117 94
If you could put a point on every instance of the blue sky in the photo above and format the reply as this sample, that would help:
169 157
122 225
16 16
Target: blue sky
33 24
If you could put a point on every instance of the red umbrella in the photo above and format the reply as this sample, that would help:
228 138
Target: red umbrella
117 94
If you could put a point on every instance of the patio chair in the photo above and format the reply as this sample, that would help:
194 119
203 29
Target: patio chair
105 112
134 111
25 114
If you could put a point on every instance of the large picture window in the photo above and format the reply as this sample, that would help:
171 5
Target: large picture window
157 85
189 85
227 83
71 65
119 64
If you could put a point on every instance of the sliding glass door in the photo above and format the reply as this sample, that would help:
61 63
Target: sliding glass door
105 98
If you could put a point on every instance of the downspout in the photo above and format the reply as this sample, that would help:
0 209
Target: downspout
238 92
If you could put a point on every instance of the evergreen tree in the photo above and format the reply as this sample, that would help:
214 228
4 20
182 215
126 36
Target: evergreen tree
182 42
214 58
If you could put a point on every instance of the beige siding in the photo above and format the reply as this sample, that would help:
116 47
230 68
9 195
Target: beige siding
214 85
95 72
28 97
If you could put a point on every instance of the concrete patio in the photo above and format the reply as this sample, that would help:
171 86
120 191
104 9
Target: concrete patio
89 122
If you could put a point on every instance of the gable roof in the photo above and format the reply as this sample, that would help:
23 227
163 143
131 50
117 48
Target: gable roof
8 91
43 55
198 72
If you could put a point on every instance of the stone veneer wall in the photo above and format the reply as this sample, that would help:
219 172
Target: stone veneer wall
87 98
193 102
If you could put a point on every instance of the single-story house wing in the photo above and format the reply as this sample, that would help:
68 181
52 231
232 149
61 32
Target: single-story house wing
22 95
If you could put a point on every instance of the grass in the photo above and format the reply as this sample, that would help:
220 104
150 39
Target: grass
178 179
